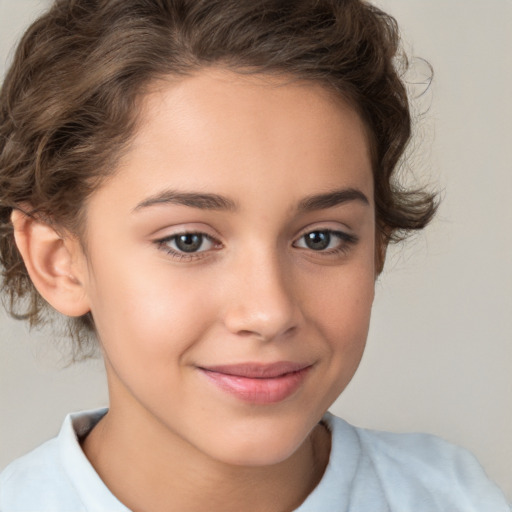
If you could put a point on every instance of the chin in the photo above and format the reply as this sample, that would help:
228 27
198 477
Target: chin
260 456
264 445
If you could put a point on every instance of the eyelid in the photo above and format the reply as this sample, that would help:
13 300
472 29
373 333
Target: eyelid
346 240
163 243
203 236
331 226
182 228
340 234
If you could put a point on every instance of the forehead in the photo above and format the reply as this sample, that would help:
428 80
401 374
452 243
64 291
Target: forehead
220 131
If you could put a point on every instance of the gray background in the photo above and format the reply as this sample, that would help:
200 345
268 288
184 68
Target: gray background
439 355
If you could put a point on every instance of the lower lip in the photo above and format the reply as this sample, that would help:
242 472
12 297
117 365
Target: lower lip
259 391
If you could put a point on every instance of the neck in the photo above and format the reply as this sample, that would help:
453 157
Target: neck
148 468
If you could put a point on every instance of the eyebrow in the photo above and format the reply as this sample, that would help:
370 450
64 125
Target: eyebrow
206 201
332 199
191 199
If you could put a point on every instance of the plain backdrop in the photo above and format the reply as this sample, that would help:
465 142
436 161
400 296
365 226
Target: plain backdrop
439 355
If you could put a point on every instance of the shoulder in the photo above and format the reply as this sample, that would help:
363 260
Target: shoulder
420 471
37 481
57 476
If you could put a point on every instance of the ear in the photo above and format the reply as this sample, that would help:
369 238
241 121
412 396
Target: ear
55 263
381 247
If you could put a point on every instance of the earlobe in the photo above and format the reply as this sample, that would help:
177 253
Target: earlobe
54 263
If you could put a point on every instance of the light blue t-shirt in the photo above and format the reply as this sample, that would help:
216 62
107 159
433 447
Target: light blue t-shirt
368 471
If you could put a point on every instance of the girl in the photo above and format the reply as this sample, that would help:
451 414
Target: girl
206 188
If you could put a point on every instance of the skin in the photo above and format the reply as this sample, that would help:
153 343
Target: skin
173 440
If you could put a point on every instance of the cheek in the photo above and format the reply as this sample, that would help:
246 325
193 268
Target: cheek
342 300
345 325
341 311
147 312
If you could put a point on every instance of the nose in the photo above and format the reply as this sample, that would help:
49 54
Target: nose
261 303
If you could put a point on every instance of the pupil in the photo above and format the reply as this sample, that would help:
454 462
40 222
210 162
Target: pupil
318 240
189 242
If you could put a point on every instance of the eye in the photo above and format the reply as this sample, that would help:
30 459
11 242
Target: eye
190 242
325 240
183 244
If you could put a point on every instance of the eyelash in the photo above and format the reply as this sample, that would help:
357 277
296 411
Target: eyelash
346 241
163 244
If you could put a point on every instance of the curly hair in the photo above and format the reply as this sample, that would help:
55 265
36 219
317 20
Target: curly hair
69 102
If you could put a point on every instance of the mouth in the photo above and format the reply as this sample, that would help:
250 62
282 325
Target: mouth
258 383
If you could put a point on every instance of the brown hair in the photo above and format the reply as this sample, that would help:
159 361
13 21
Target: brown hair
68 105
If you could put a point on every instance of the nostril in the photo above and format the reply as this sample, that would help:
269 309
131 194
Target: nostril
267 334
264 307
246 333
290 331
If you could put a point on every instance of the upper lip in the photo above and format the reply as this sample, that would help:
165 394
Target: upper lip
258 370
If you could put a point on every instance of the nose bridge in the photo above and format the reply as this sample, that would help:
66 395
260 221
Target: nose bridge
262 302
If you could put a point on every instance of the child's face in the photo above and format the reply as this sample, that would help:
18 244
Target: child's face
209 249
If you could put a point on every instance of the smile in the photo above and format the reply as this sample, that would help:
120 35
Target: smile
259 384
